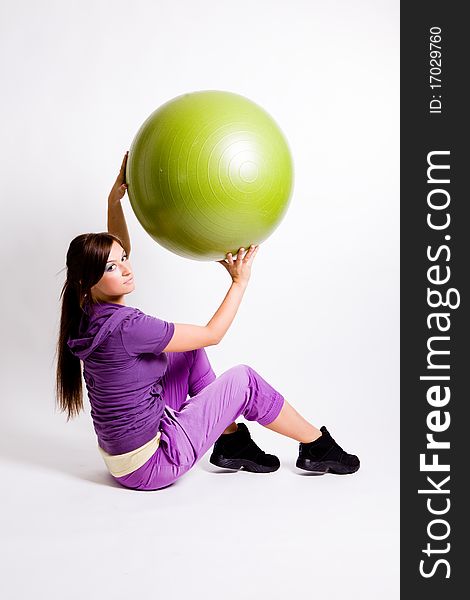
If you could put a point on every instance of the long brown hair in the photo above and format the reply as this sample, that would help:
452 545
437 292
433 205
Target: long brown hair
86 261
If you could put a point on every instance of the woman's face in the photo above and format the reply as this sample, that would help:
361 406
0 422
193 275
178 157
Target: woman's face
117 279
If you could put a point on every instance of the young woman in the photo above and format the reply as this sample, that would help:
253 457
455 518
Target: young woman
139 371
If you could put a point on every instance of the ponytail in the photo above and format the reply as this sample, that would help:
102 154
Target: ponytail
69 391
86 260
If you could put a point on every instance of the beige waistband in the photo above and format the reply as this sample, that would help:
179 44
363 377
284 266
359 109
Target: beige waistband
123 464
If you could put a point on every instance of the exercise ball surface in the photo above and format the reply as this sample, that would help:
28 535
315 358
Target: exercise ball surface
209 172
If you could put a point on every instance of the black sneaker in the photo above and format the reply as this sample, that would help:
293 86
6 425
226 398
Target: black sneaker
324 455
238 451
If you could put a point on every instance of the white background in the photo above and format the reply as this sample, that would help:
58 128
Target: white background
319 320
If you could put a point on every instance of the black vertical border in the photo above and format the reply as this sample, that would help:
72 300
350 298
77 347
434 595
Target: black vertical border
421 133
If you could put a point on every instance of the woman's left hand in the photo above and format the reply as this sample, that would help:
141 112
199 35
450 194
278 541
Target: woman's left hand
120 186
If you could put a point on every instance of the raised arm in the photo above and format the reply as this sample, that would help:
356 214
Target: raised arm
116 221
190 337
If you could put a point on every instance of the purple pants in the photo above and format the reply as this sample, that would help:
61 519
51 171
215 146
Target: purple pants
190 426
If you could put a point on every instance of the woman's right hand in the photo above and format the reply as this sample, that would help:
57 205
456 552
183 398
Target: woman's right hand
240 268
120 186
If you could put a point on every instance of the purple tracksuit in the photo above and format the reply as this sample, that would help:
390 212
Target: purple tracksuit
136 389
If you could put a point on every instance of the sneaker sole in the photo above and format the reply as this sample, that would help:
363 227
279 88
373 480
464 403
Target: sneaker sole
239 463
326 466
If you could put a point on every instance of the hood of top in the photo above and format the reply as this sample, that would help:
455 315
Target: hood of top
98 321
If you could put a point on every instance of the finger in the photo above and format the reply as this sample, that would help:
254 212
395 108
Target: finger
121 176
252 254
238 261
124 161
249 252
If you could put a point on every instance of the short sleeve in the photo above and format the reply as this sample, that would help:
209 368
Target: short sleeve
144 334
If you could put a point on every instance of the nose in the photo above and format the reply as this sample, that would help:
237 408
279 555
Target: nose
126 271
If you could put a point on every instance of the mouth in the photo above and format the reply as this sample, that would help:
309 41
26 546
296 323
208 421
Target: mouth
130 280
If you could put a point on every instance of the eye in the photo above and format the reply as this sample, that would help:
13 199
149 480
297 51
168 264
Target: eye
110 268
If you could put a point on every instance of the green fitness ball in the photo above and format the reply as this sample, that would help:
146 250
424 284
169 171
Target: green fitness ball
209 172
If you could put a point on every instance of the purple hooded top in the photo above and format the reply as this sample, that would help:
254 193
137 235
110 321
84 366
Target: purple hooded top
123 362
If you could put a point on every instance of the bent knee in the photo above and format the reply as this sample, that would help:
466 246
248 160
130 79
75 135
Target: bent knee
242 373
